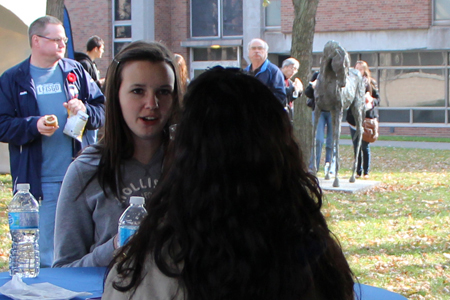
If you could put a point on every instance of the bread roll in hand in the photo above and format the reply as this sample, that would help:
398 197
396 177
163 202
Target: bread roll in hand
50 120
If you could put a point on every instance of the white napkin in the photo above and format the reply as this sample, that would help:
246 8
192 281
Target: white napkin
19 290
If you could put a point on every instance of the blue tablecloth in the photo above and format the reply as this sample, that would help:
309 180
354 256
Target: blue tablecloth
91 280
74 279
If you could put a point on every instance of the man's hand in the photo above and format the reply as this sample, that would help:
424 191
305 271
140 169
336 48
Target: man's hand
74 105
44 129
298 85
116 241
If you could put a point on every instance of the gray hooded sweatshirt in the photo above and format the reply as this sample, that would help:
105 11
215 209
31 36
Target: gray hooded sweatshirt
85 226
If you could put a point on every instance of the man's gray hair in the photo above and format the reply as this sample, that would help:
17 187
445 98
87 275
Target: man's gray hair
290 61
39 25
265 45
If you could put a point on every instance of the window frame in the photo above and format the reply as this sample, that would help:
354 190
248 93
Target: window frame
220 21
120 23
433 17
412 111
272 27
203 65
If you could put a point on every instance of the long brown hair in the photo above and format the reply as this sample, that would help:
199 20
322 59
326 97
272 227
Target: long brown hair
117 143
184 75
366 73
236 215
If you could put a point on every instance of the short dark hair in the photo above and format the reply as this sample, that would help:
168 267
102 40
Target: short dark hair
94 42
39 25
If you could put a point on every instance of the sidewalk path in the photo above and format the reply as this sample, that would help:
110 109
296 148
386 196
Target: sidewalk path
400 144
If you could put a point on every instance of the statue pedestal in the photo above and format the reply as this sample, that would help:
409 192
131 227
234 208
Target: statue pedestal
360 185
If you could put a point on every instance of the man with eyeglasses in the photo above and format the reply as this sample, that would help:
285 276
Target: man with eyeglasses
45 84
268 73
294 88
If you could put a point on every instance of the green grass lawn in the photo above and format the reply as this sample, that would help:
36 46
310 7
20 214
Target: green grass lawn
395 236
5 240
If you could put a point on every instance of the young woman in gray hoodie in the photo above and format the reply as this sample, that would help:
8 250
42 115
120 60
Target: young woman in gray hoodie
143 95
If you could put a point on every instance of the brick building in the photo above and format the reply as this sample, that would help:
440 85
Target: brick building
403 41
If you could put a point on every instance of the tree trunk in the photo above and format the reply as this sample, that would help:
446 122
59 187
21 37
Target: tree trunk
55 8
302 43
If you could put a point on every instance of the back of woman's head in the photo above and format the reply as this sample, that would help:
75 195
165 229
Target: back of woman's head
234 130
236 208
241 194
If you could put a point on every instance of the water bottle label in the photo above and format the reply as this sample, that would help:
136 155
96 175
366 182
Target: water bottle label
23 220
125 234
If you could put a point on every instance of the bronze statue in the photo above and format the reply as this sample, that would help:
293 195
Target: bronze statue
338 87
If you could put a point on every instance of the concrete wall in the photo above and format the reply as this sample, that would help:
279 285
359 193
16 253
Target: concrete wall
253 24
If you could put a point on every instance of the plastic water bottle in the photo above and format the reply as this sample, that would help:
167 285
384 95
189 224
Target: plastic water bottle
131 219
23 217
73 91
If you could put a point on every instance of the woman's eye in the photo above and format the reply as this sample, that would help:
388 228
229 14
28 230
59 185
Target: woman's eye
165 92
137 91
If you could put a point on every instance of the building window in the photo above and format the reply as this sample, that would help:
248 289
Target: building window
215 54
122 24
216 18
207 57
414 86
122 10
273 14
441 12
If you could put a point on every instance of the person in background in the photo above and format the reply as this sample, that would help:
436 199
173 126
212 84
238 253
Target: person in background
372 100
143 90
324 121
266 72
94 49
184 74
236 215
294 89
31 91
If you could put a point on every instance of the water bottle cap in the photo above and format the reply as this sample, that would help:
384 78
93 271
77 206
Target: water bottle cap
137 200
23 186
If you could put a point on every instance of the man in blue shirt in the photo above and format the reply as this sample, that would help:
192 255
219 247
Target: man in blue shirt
264 70
39 86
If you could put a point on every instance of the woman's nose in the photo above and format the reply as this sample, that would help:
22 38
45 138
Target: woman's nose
151 102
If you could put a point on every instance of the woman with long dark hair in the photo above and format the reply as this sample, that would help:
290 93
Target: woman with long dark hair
142 89
236 215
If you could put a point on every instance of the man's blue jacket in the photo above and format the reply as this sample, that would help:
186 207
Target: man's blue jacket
273 78
19 114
